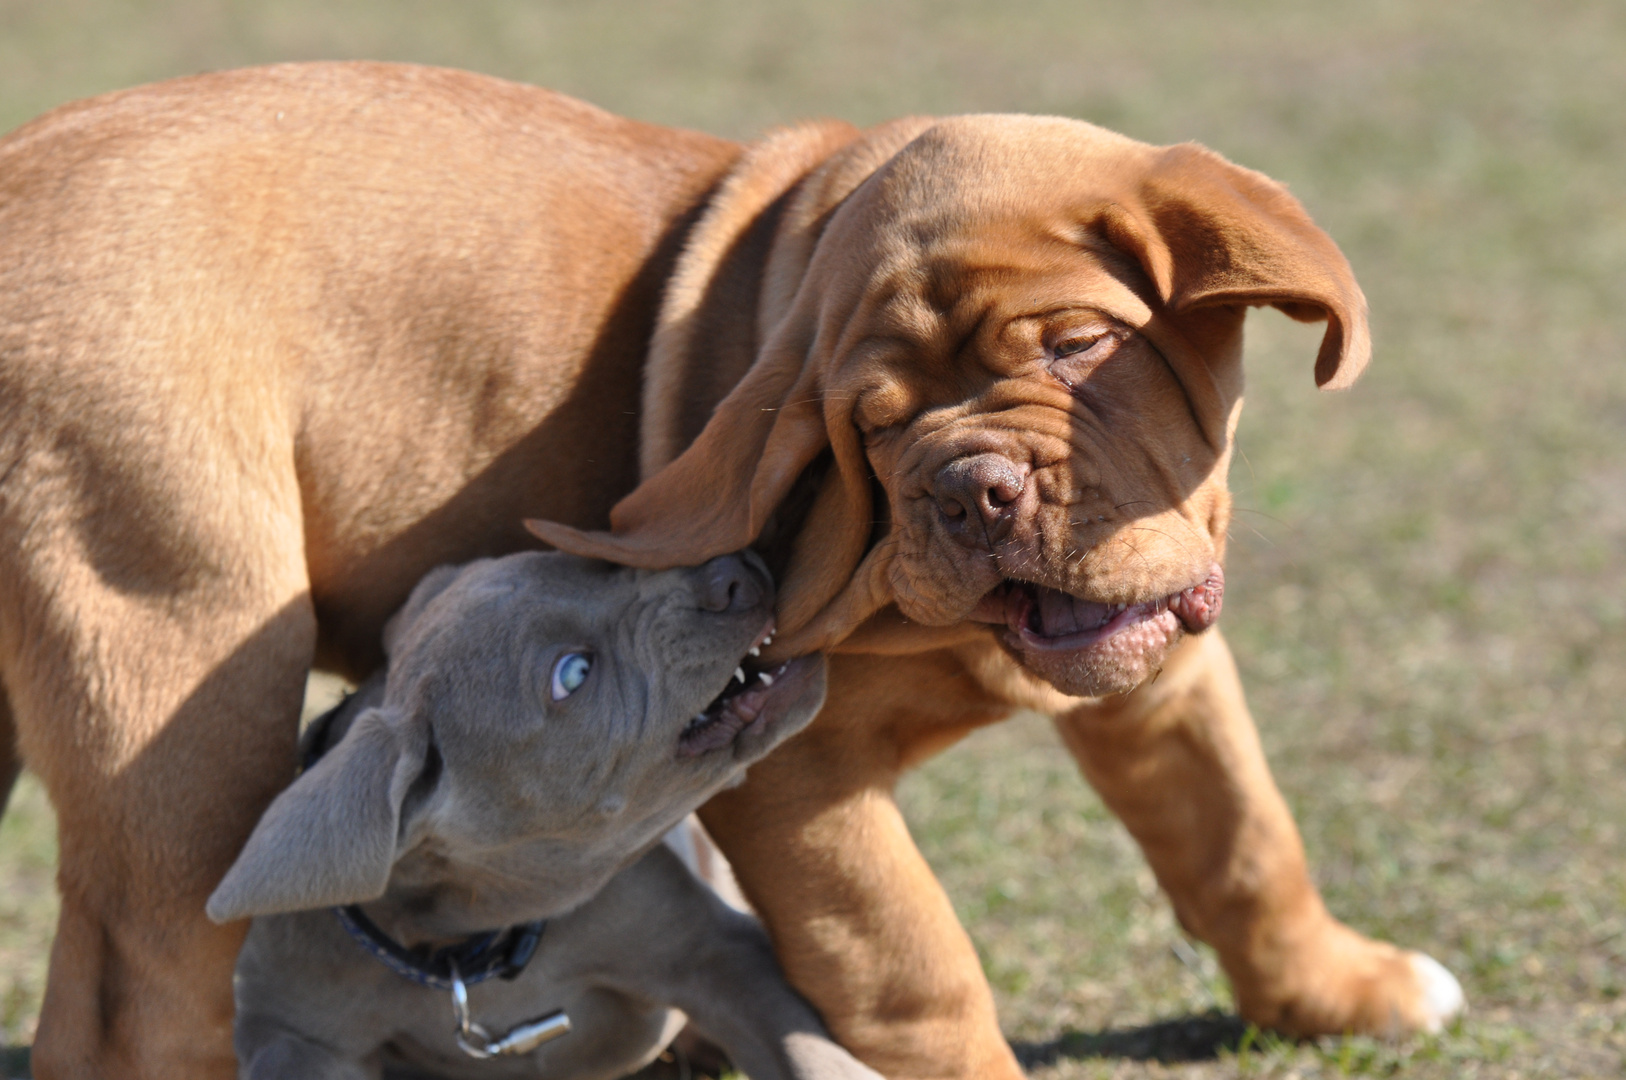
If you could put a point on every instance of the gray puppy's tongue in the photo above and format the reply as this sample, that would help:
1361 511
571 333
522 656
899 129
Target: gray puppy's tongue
718 725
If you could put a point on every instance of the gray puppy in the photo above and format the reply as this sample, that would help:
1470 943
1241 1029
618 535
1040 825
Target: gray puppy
542 722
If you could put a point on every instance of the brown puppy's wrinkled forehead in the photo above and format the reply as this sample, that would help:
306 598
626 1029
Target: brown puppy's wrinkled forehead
984 219
928 271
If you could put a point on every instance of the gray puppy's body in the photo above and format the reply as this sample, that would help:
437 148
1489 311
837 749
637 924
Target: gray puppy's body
542 723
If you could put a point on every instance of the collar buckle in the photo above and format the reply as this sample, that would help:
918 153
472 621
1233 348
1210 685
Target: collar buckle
474 1040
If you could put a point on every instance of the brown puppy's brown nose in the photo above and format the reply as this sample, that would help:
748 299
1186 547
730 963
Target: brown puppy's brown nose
978 497
729 583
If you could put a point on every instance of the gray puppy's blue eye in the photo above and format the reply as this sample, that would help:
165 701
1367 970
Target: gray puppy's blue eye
569 674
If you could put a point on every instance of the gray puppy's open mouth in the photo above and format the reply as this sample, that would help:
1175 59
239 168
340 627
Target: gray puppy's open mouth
743 704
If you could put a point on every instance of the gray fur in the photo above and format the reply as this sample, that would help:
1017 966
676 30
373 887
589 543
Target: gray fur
455 795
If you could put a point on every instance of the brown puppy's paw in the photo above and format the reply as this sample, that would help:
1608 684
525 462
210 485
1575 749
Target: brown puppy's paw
1353 985
1442 996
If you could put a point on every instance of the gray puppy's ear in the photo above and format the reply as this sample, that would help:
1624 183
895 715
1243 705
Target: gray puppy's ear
330 838
430 586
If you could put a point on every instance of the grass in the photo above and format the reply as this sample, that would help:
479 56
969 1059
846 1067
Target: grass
1426 574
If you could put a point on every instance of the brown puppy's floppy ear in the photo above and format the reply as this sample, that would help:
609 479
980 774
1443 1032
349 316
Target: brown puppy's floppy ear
329 838
717 495
714 313
1209 232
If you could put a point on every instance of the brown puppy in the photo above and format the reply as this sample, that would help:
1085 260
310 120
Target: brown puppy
982 425
274 343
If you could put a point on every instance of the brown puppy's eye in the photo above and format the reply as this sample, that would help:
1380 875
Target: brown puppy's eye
883 409
1074 356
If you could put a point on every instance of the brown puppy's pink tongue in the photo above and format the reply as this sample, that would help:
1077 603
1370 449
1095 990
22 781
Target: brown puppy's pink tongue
1200 605
1059 614
1052 613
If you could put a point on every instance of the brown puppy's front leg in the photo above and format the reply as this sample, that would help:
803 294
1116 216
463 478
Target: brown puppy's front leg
1179 762
156 785
861 926
11 763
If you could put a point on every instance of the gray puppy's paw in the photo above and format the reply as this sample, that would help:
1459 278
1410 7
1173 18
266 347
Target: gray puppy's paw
815 1057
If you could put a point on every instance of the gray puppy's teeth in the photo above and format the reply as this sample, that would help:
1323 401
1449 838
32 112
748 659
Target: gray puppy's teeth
756 652
767 680
739 673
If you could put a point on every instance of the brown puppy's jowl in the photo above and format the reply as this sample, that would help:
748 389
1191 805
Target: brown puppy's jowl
274 343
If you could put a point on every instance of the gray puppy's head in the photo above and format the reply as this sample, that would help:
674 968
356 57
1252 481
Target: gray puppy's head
542 721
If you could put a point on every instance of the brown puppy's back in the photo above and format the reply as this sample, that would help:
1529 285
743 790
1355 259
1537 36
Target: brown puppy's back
375 261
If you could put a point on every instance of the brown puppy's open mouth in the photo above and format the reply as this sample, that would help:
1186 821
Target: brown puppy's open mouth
1090 648
745 702
1042 619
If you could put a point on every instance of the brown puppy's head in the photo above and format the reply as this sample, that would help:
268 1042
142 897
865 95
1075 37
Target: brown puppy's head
1005 366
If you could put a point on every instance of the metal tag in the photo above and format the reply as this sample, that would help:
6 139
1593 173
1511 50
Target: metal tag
474 1040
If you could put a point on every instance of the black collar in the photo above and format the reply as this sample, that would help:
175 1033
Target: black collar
503 953
478 957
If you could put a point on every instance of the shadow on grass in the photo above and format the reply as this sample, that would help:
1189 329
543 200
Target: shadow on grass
1188 1038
